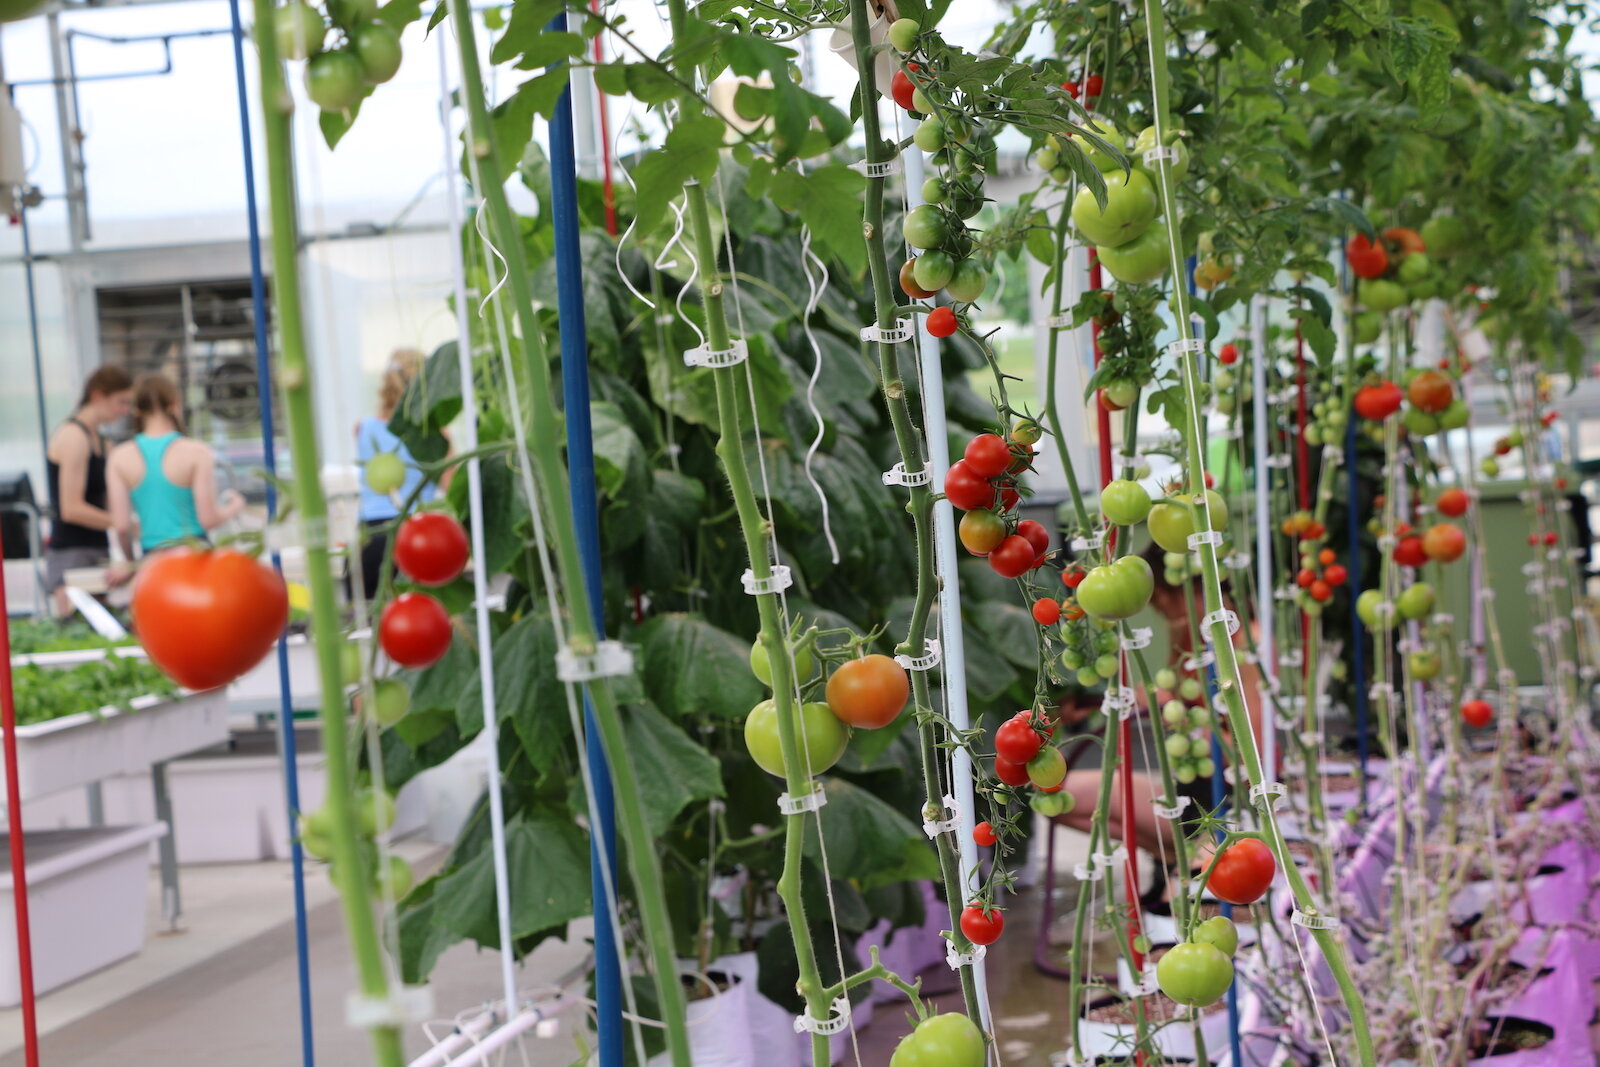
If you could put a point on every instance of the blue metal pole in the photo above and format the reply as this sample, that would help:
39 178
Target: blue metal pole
286 738
586 520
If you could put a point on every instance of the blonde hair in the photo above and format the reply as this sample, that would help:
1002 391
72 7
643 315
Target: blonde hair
154 394
404 363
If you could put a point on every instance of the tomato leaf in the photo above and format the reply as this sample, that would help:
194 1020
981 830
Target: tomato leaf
525 30
672 770
692 668
828 199
690 152
548 859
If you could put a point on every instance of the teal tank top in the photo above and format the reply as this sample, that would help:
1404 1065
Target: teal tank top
166 511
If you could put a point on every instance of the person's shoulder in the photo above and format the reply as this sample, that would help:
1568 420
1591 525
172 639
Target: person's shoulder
67 441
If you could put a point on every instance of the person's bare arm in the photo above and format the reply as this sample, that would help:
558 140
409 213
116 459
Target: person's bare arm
120 500
206 506
72 456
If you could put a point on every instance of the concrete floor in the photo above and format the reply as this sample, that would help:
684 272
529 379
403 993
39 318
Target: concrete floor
224 990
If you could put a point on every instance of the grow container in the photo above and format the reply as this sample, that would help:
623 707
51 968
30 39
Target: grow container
86 901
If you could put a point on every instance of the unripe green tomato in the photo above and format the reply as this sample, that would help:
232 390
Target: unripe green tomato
391 701
1173 713
1173 577
1220 932
968 282
933 191
1204 767
930 135
920 103
1166 678
1047 159
350 663
1061 175
1048 769
1312 607
1106 665
1106 641
1177 746
1199 716
1313 435
1174 560
1223 380
395 878
934 269
375 811
1199 747
1191 689
1071 659
1051 804
825 737
1026 432
1336 418
1184 772
762 669
903 34
1088 677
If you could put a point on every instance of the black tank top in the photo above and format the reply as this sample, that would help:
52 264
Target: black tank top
64 534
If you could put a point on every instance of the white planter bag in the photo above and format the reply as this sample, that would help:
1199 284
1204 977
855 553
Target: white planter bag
719 1028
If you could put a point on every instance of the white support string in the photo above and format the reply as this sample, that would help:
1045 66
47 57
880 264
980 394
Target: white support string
1263 492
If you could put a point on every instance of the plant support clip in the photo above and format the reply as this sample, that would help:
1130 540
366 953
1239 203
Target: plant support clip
898 334
837 1020
896 475
799 805
780 579
943 826
1314 921
706 356
925 662
1187 346
958 960
610 659
1267 794
1222 615
403 1006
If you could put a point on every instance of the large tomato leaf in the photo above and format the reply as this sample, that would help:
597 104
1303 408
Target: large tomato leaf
692 668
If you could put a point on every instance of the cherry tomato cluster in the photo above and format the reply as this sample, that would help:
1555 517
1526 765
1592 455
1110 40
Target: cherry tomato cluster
390 879
1189 722
1399 267
1090 87
1303 526
1199 971
367 51
1443 542
431 549
1320 586
983 483
1025 757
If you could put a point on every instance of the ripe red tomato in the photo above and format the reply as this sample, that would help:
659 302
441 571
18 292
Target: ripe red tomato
901 87
1444 542
1014 557
206 616
431 548
1094 84
942 322
414 630
1009 498
1046 612
981 531
980 928
1228 354
908 281
1378 402
1335 574
966 489
1430 391
1015 740
1071 88
1327 556
1243 873
1476 713
988 455
1550 537
1367 260
1036 534
1320 591
868 692
1453 502
983 834
1073 576
1012 774
1305 577
1408 551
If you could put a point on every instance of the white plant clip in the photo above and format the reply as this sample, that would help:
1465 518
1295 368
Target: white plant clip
610 659
1173 812
1129 459
892 335
1314 921
1222 615
1200 662
1293 657
404 1006
706 356
1083 872
1381 691
780 579
837 1020
1285 592
1204 537
1161 154
1120 700
1107 860
896 475
1137 637
1091 543
1280 461
957 960
799 805
1237 561
881 169
1443 618
297 533
1058 322
942 826
925 662
1267 794
1187 346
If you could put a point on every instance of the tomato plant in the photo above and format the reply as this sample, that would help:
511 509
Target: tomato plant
868 692
206 616
1243 872
414 630
431 548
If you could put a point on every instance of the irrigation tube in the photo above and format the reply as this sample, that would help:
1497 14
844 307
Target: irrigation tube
586 522
287 743
952 642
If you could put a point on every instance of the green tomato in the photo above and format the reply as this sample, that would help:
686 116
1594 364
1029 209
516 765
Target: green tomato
349 13
1380 294
1107 131
1117 590
950 1040
375 811
1191 689
1419 422
903 34
1088 677
1052 804
1455 416
1026 432
1414 268
1184 772
1166 678
1199 747
1107 641
930 135
1195 973
1175 561
395 878
1123 392
1174 518
1107 666
1174 714
391 701
385 473
1220 933
377 46
335 80
1048 769
1199 716
934 269
1444 235
1072 659
1177 746
1490 467
1131 206
1313 435
1140 260
761 667
1416 601
299 29
1048 159
1061 175
316 833
1146 141
934 191
968 282
1424 664
1368 611
1124 502
920 103
1204 768
825 737
1368 326
350 663
926 226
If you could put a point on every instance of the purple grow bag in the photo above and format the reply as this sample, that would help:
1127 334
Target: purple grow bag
1563 1000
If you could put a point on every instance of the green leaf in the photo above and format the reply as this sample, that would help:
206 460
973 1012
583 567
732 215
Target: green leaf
504 511
525 30
335 124
399 14
691 151
548 861
671 769
422 940
868 841
693 669
829 201
526 690
619 461
650 83
549 48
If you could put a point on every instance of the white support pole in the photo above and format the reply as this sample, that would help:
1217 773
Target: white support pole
1266 599
953 647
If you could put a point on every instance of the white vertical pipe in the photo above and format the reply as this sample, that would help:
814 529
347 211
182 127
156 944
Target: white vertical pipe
468 443
1266 598
952 645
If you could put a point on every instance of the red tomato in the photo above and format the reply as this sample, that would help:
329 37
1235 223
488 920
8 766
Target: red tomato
868 692
1009 498
1533 539
908 281
431 548
983 834
1550 537
1036 534
942 322
1335 574
1408 551
966 489
1367 260
1327 556
1407 241
1071 88
1046 612
988 455
1430 391
1015 740
1320 591
1014 557
1476 712
1012 774
1305 578
1228 353
1453 502
980 928
1243 873
901 87
1444 542
1094 84
1378 402
205 616
1073 577
414 630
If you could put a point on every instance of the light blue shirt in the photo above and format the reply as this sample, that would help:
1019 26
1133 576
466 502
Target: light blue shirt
373 437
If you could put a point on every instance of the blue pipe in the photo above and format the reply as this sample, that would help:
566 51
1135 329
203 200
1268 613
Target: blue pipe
286 738
586 520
